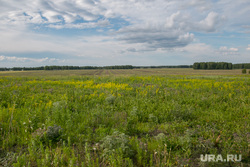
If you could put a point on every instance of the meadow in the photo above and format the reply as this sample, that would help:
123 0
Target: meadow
141 117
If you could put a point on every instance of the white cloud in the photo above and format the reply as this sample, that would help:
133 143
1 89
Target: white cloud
225 51
234 49
25 59
100 23
170 21
211 22
198 48
224 48
201 5
135 11
49 12
248 48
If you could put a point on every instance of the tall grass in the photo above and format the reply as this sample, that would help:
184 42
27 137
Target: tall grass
123 121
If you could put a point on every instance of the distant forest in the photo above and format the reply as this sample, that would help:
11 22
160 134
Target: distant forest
88 67
219 65
196 66
212 65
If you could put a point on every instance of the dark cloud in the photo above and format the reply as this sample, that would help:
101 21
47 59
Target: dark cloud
155 37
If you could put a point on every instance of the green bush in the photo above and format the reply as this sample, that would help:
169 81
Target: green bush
117 142
244 71
54 133
152 118
110 99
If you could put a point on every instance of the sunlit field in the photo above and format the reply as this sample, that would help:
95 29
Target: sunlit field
142 117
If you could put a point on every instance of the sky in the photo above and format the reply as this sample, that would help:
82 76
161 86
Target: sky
123 32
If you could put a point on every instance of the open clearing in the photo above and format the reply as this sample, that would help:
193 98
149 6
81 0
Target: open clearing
139 117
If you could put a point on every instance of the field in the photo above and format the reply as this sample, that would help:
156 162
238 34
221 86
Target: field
142 117
120 72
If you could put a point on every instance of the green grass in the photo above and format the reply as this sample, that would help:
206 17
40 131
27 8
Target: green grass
123 118
121 72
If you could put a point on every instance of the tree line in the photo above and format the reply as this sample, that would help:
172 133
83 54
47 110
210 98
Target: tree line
65 68
88 67
242 66
196 65
177 66
220 65
212 65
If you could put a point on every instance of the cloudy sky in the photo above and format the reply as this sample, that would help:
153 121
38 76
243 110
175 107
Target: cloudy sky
118 32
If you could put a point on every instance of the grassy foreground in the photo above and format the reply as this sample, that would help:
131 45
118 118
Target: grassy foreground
123 118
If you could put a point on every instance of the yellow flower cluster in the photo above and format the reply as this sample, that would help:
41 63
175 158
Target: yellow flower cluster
89 84
109 85
204 83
